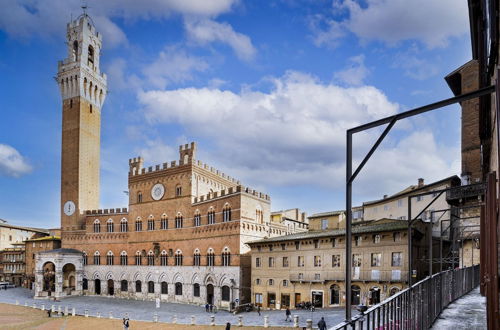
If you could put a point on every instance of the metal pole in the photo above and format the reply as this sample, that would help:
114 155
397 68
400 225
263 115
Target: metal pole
430 247
348 238
409 242
441 248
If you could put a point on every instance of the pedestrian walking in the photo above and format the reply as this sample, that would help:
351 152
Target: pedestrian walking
288 315
211 308
258 309
206 307
125 323
322 324
228 326
49 311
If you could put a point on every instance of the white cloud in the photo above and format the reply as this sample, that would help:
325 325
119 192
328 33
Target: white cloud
355 74
295 134
173 65
414 65
429 21
35 18
12 163
325 32
205 31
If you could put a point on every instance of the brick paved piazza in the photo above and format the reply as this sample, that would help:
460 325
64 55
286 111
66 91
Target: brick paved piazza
144 310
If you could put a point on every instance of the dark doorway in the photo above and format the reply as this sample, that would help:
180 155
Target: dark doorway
285 300
271 300
97 286
374 295
298 299
355 295
210 294
111 287
317 298
85 284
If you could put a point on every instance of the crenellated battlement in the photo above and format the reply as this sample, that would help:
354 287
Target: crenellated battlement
230 191
107 211
187 153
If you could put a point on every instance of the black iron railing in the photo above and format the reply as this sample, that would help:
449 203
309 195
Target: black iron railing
468 191
419 306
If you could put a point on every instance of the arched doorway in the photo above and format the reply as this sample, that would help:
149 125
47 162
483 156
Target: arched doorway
334 294
374 296
97 286
393 291
49 276
69 278
85 284
355 295
111 287
210 294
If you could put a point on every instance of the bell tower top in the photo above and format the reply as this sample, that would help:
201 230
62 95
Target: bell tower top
79 73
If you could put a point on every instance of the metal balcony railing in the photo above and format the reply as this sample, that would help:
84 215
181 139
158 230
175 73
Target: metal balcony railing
364 275
419 306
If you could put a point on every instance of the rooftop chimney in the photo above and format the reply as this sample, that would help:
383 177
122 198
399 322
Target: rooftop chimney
385 196
420 182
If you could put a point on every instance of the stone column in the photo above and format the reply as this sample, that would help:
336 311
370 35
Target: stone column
217 295
157 289
104 287
59 284
91 286
79 282
38 283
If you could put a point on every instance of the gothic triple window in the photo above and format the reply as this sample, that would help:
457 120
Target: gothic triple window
138 225
151 258
123 225
226 257
151 224
97 226
109 258
178 258
164 258
164 222
138 258
226 214
123 258
210 257
197 220
85 259
211 217
110 226
196 258
178 221
97 258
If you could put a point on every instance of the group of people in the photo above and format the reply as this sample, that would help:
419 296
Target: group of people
306 305
209 308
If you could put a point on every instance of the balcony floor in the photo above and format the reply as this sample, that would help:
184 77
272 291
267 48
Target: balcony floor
468 312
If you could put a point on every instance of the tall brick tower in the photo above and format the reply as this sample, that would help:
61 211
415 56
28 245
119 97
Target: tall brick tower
83 90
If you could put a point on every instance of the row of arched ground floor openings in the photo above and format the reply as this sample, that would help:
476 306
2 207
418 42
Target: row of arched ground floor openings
150 289
319 298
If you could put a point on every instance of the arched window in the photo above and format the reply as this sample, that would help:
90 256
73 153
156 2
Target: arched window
124 225
123 258
334 295
75 50
197 219
85 258
270 282
211 216
124 285
225 293
210 257
196 290
178 289
97 226
85 85
138 258
393 291
151 258
97 258
355 295
178 258
138 286
226 213
178 190
138 225
90 59
109 258
164 222
164 288
139 197
151 287
110 226
178 221
151 224
259 217
196 258
164 258
226 257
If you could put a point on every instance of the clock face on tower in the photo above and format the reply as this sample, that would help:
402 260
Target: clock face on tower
157 191
69 208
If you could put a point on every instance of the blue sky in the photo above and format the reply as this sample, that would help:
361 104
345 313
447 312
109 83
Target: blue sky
266 88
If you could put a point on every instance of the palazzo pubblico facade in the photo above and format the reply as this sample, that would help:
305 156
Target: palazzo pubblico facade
182 238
